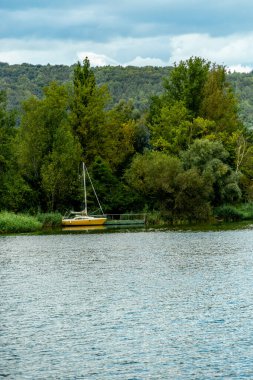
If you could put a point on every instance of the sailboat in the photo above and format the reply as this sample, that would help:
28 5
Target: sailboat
82 218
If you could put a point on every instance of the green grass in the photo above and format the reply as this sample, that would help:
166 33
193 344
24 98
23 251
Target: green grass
16 223
247 210
154 218
50 219
230 213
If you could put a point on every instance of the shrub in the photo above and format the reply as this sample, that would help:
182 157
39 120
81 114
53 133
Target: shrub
154 218
228 213
50 219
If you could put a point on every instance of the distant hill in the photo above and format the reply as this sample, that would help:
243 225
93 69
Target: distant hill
136 83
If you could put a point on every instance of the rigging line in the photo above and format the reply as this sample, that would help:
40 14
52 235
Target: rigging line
93 188
85 193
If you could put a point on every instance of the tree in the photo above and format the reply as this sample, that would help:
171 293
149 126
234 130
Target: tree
7 133
59 172
192 198
198 102
113 194
13 191
165 186
219 103
88 111
153 175
170 132
210 159
120 133
186 82
39 122
47 152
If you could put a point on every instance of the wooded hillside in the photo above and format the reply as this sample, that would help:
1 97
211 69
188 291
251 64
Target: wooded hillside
136 83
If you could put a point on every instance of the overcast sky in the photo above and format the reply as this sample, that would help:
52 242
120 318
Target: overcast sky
127 32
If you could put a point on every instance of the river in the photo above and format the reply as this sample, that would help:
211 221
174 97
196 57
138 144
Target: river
127 305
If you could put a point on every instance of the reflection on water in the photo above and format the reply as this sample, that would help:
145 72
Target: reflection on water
140 305
84 228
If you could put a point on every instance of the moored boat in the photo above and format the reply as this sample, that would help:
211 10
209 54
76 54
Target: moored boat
82 218
79 220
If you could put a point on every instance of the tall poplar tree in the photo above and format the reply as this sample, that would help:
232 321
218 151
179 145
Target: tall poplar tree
88 110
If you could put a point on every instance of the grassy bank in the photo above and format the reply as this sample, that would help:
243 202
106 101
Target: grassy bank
16 223
230 213
19 223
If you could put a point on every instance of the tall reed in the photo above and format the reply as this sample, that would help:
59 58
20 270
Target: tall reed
14 223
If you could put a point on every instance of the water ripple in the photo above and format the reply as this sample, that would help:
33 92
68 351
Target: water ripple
156 305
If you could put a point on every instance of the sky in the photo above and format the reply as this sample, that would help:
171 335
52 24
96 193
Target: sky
127 32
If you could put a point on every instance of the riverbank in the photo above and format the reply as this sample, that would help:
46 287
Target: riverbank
225 217
21 223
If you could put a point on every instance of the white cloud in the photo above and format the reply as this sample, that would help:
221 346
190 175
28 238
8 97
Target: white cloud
97 59
240 69
38 51
234 51
147 61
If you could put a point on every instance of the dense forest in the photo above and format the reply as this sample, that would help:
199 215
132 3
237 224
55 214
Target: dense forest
173 140
137 84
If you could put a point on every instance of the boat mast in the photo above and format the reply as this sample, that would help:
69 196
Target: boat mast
94 191
85 193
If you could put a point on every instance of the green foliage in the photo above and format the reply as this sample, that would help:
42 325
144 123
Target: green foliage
47 152
202 153
246 209
209 158
243 87
14 223
153 174
198 102
155 218
88 111
136 83
59 170
171 131
178 194
228 213
121 132
115 196
192 200
219 102
16 194
186 82
40 121
50 219
188 153
7 135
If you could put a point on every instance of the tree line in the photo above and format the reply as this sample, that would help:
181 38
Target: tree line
183 155
137 84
